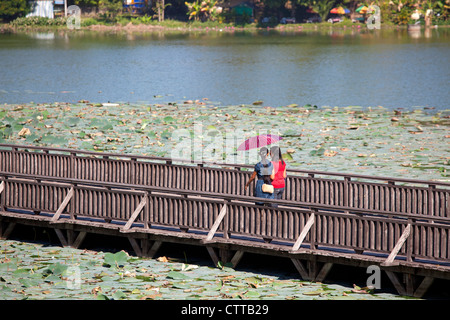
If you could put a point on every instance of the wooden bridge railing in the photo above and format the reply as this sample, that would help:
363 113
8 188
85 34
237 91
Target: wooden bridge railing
430 198
297 224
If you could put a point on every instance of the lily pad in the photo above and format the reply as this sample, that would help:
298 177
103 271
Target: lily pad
177 275
116 259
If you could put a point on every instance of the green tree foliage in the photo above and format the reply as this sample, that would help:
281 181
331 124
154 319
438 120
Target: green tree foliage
323 7
111 7
400 11
274 5
87 3
202 10
12 9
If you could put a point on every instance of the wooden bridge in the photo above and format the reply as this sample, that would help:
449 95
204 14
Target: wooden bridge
400 225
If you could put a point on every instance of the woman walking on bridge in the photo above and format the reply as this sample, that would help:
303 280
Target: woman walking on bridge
265 173
280 173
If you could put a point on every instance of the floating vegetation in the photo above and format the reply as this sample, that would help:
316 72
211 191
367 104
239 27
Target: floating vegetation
372 141
34 271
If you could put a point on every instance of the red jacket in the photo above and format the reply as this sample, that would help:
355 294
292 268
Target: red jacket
279 168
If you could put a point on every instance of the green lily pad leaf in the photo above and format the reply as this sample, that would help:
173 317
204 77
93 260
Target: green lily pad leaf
102 296
181 286
52 278
119 295
8 266
52 139
5 289
145 278
55 269
318 152
168 119
109 278
106 127
166 134
116 259
313 293
32 138
287 156
247 111
252 294
291 133
175 275
29 282
130 280
72 121
21 271
239 284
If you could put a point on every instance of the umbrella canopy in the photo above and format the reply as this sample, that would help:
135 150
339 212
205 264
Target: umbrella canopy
334 10
258 141
362 9
339 10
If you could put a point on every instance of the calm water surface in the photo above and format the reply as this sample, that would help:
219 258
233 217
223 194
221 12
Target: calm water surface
391 68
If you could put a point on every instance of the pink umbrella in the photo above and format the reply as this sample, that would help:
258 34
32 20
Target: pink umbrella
258 141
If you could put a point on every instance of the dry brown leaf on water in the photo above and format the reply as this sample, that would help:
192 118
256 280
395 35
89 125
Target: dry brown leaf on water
364 290
331 153
162 259
96 290
24 132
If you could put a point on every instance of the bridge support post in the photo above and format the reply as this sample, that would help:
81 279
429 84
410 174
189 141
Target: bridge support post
314 270
6 229
143 248
225 256
72 238
410 286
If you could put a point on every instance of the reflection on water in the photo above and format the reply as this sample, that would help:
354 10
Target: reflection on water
332 67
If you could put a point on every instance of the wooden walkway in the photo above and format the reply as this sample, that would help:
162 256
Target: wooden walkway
400 225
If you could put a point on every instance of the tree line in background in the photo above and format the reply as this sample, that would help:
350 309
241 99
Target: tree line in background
394 11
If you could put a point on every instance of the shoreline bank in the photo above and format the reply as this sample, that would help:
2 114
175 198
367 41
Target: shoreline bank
188 27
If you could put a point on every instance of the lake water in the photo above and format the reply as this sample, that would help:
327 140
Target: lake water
389 68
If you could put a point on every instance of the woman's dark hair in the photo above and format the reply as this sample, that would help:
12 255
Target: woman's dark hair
275 151
263 154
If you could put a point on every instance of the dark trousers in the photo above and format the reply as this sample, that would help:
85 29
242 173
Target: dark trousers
277 195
